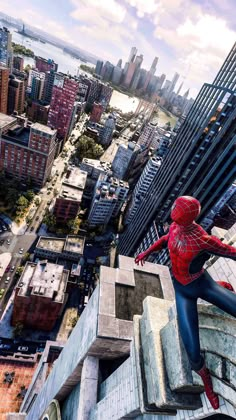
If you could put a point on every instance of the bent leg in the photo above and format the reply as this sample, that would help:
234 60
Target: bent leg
218 295
188 326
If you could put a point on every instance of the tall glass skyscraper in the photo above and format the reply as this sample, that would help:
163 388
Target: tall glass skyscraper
200 162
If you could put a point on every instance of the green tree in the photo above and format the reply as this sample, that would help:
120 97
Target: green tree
19 271
37 201
22 203
49 219
74 225
27 68
88 148
29 195
26 257
74 321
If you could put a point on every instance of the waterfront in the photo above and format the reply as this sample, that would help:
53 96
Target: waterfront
68 64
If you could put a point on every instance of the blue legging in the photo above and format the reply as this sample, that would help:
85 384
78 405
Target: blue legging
186 302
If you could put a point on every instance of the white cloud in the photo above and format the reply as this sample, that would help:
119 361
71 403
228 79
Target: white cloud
106 9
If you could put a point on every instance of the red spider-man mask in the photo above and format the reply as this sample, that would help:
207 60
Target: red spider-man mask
185 210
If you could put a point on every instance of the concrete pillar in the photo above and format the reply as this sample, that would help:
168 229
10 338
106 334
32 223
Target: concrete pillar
88 387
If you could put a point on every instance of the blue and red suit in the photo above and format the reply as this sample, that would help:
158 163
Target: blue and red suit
190 247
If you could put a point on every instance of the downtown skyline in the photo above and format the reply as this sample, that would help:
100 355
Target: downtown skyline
191 37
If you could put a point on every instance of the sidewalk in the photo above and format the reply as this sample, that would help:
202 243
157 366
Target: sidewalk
5 259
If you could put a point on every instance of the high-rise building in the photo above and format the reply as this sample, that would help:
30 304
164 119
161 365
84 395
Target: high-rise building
129 74
107 71
84 88
96 112
4 79
70 195
119 64
105 95
124 156
142 187
44 65
18 63
107 131
150 73
98 68
35 73
109 196
200 162
147 135
16 95
26 152
37 88
37 111
48 86
6 52
62 103
116 75
40 295
132 54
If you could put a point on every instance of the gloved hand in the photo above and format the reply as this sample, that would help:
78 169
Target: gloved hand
141 258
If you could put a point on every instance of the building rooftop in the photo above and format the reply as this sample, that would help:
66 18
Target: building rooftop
5 120
75 177
74 244
43 128
52 244
68 192
44 279
18 134
102 165
71 243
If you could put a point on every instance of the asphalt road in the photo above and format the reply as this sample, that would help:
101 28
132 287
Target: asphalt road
27 240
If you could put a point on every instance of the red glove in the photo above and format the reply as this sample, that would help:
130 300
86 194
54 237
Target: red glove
225 285
141 258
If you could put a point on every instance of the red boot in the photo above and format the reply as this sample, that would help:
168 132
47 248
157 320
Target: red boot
211 395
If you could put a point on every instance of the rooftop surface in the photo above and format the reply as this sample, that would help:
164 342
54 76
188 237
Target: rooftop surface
75 178
9 402
70 193
46 279
18 134
74 244
5 120
51 244
129 300
44 128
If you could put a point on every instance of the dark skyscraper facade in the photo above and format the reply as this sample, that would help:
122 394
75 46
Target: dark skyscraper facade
200 162
98 68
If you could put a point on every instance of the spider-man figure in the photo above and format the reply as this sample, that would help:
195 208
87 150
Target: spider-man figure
190 247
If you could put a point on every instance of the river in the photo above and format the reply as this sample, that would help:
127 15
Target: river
69 64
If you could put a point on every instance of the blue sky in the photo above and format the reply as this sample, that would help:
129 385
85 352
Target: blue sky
191 37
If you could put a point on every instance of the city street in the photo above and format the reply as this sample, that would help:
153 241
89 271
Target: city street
13 246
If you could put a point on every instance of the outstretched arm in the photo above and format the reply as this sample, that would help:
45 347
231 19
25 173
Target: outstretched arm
157 246
216 247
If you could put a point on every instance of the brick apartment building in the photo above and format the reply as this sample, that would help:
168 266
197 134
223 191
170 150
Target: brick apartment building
40 295
4 76
38 111
16 95
44 65
70 196
62 104
18 63
26 152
